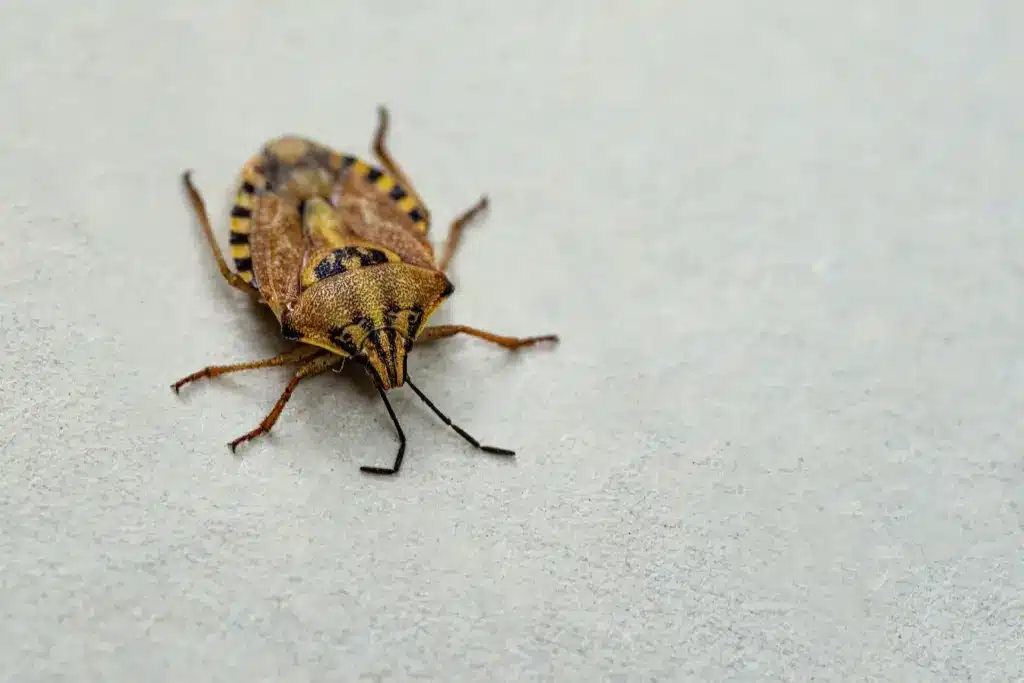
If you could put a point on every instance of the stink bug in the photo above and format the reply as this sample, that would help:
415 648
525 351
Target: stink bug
338 250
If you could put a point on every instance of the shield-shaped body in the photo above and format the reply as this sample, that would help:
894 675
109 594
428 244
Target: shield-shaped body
338 249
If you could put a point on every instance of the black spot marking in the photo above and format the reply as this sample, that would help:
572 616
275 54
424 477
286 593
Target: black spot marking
416 214
372 257
373 175
331 265
397 193
290 332
334 263
347 161
449 288
248 187
343 341
241 212
392 355
415 320
239 238
243 264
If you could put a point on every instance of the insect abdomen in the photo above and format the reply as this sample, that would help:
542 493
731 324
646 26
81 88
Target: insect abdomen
252 183
298 169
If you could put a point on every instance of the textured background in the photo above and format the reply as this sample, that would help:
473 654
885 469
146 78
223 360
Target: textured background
781 439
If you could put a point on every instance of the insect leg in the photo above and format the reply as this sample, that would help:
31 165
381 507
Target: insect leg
401 440
445 331
310 369
296 355
455 232
381 150
234 279
459 430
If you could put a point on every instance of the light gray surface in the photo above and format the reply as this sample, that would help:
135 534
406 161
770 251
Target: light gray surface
781 439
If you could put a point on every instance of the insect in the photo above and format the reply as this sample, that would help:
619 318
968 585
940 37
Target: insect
338 249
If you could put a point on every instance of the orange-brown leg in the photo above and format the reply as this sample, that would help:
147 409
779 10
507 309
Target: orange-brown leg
295 356
444 331
455 232
380 148
234 279
310 369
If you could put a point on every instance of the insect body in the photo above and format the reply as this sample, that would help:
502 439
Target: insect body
338 249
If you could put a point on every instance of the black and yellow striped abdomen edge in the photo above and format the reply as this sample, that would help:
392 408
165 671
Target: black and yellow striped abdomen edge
322 168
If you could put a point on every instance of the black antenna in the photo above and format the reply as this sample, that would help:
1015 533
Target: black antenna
461 432
401 438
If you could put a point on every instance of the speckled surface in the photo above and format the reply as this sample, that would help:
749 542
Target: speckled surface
781 439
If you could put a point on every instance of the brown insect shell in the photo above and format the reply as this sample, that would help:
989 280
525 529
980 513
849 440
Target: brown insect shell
277 247
347 274
372 312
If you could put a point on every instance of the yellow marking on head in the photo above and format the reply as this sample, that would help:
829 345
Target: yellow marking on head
241 251
422 226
